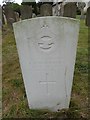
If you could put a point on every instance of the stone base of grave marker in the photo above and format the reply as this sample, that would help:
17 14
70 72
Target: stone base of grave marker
47 51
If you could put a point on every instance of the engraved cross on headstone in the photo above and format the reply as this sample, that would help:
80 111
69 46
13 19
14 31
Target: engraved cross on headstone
46 82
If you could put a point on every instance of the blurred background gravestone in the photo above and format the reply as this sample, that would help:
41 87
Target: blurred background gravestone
28 9
26 12
81 6
10 15
88 17
70 9
46 9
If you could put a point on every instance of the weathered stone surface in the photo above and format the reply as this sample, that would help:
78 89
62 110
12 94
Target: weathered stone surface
46 9
47 52
10 16
88 17
26 12
70 10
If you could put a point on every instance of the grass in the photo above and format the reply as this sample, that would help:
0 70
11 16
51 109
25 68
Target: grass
14 97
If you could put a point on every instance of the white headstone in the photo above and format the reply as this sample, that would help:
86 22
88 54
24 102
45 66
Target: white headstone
47 52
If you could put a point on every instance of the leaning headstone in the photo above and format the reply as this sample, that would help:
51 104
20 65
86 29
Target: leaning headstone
88 17
70 10
26 12
47 55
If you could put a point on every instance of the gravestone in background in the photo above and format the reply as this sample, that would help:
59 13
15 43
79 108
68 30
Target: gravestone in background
88 17
10 16
46 9
81 6
47 52
26 12
70 10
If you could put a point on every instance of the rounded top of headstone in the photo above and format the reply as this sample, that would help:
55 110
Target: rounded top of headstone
49 17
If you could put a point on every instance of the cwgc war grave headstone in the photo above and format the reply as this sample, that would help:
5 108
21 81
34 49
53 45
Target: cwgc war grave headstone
47 51
70 9
88 17
26 12
10 16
